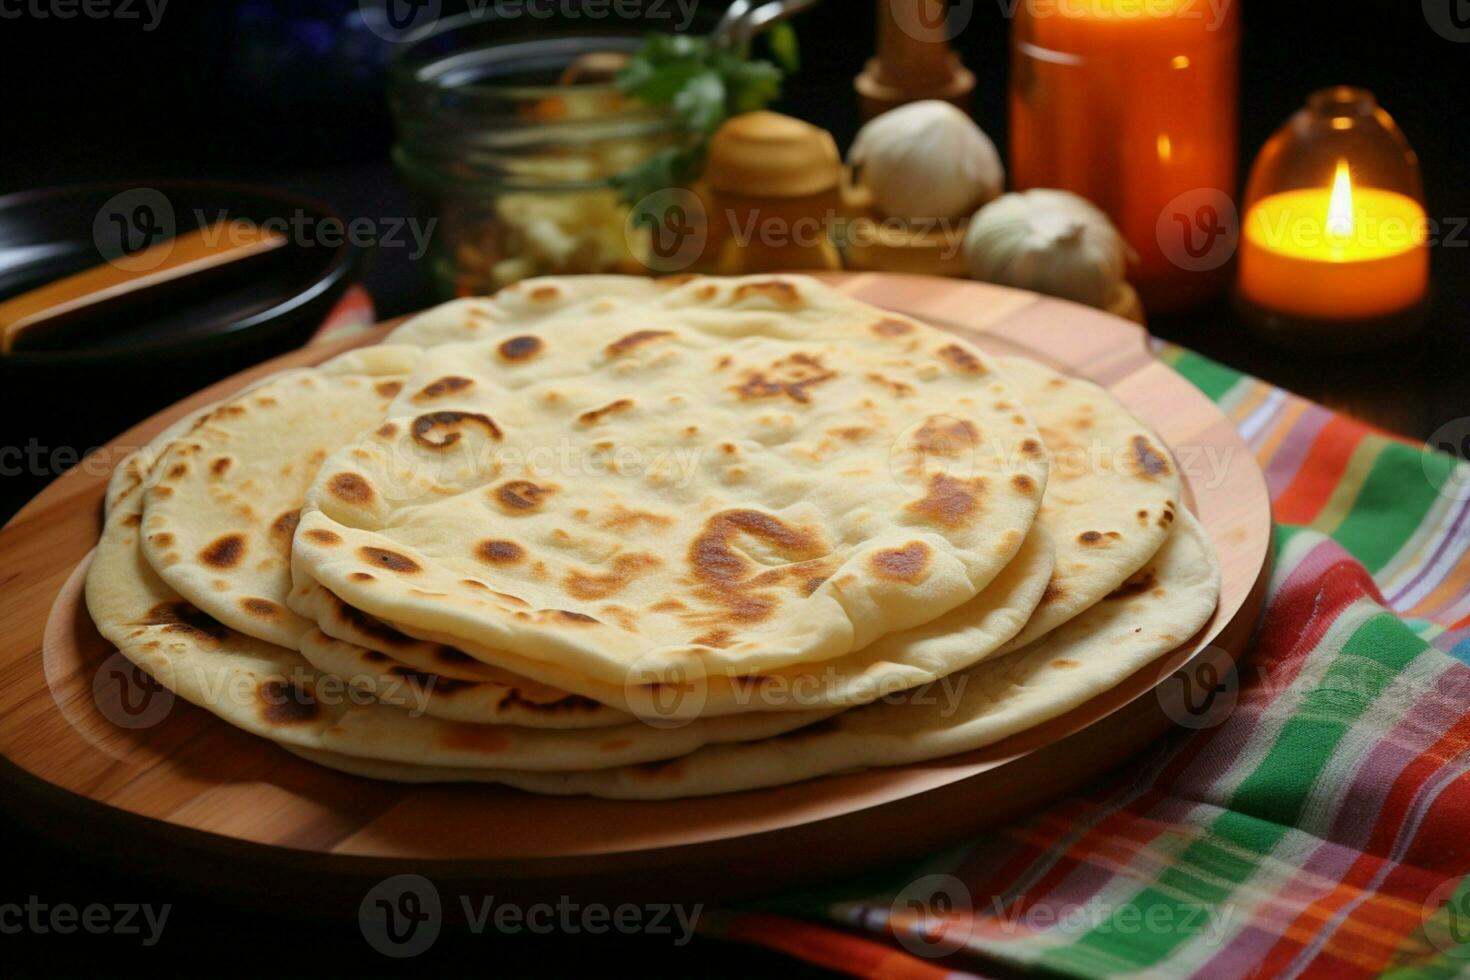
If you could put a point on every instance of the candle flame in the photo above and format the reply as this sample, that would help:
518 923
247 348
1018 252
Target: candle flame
1340 209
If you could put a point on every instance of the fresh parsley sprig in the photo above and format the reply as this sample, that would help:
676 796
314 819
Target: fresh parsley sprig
703 84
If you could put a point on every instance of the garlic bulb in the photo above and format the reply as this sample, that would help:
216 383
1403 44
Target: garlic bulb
1051 242
927 160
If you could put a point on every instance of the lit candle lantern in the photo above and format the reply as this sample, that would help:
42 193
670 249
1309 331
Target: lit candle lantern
1334 250
1338 253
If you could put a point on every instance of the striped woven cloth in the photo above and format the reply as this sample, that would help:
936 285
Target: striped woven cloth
1321 828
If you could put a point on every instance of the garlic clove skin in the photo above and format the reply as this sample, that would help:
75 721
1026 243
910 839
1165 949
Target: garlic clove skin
927 160
1047 241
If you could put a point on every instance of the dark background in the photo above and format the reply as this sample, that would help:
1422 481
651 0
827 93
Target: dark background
231 90
242 91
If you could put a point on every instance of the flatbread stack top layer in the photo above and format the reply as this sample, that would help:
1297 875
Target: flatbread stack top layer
648 539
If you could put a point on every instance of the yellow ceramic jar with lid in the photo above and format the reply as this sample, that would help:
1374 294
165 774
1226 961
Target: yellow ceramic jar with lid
772 188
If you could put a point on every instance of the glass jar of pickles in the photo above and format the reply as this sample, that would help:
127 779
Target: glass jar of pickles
509 132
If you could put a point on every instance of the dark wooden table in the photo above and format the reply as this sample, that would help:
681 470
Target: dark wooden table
207 936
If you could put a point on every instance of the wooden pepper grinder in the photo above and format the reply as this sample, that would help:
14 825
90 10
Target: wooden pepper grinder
914 60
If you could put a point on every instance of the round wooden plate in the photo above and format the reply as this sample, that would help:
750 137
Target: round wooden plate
98 757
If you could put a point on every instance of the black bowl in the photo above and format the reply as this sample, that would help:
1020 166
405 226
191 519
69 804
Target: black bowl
58 402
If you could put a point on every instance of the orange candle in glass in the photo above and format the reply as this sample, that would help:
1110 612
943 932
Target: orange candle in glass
1334 244
1131 104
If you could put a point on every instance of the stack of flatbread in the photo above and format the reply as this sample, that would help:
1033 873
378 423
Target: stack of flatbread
650 539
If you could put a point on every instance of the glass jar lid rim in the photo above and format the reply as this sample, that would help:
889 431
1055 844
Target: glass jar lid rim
435 62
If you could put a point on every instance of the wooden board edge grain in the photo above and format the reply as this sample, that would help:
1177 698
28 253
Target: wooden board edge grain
780 827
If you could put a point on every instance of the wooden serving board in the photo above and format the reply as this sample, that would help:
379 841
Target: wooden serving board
89 758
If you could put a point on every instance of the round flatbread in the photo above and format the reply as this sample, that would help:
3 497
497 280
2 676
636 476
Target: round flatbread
524 304
1112 493
1166 604
274 692
226 493
741 492
134 467
755 305
1114 488
647 539
892 664
504 699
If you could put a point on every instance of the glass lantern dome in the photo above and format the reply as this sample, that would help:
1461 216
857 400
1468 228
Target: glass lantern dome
1339 123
